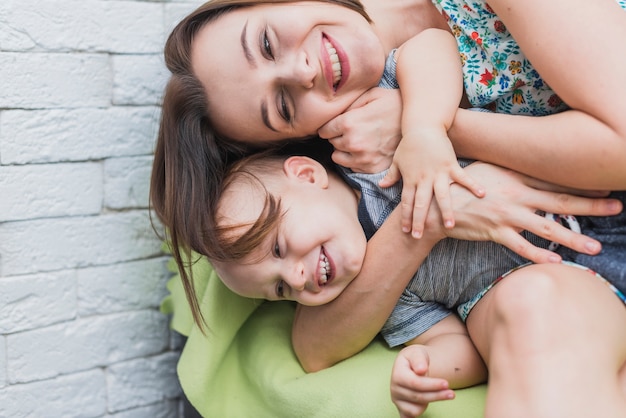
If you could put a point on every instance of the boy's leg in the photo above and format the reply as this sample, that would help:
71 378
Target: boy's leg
554 339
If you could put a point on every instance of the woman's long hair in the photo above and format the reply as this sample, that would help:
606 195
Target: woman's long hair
191 158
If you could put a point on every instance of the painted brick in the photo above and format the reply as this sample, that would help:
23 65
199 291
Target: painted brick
142 381
38 191
166 409
41 245
78 395
30 81
81 270
3 362
76 134
92 342
177 10
138 79
127 182
82 25
120 287
28 302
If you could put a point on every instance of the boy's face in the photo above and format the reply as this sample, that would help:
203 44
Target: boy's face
316 249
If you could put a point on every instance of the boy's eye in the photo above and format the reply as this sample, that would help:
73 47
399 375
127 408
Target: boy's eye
280 289
276 250
267 47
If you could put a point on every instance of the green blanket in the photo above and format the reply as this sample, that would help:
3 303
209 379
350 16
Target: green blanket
245 367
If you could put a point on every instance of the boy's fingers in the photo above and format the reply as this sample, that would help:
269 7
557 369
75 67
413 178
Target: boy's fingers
419 397
465 180
391 178
421 204
406 207
444 201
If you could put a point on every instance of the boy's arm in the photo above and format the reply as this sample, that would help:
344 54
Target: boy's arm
430 78
441 359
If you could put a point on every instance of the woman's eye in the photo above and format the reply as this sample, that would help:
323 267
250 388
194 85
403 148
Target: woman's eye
280 289
267 47
284 109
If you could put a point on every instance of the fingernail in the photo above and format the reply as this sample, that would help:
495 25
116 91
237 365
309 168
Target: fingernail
417 234
592 247
554 259
449 224
405 229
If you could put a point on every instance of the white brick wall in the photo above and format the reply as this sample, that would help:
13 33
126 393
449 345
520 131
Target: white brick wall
81 270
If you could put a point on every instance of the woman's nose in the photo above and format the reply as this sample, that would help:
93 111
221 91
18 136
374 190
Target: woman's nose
296 278
300 71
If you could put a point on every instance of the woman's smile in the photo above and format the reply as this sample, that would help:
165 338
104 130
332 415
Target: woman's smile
336 64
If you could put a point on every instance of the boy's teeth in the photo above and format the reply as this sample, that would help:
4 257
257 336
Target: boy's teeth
324 269
334 60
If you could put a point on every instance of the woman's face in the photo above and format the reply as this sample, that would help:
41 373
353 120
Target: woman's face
278 71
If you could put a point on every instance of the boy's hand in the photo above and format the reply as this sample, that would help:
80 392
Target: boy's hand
427 164
411 388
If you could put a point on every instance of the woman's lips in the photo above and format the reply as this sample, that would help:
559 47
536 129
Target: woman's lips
336 66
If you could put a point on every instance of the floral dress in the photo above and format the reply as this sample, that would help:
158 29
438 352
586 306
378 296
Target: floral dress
496 73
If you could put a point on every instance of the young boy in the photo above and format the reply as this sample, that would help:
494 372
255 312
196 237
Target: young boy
301 235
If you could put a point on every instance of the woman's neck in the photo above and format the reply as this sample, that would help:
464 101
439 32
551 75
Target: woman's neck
395 21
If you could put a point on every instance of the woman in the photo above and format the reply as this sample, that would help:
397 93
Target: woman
364 323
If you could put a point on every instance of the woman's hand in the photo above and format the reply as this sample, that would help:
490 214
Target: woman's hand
366 135
511 204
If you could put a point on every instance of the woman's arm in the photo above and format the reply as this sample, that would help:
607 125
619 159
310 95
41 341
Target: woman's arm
578 47
325 335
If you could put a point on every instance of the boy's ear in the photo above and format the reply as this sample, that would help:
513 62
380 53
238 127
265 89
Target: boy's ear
306 169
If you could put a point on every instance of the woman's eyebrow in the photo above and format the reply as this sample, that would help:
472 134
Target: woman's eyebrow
252 62
265 116
246 49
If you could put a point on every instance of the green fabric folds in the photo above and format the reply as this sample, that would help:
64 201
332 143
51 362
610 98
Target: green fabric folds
244 366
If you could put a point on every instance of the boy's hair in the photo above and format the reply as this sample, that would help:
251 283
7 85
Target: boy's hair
230 244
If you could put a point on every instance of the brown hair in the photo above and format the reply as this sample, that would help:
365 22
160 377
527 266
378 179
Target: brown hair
191 159
231 244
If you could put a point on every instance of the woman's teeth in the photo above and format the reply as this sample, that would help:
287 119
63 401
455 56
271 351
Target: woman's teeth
324 269
334 60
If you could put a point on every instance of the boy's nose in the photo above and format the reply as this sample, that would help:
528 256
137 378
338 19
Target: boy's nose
296 279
